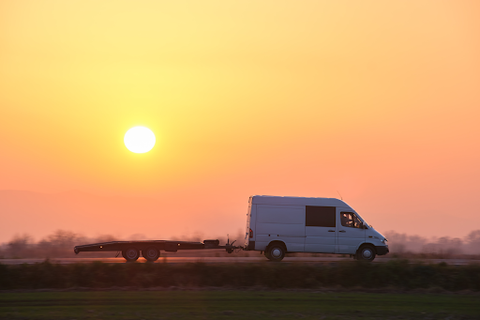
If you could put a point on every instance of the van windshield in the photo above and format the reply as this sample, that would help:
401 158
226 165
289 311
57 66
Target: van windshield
365 223
363 220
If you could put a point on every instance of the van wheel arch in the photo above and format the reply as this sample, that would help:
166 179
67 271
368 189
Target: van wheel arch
275 251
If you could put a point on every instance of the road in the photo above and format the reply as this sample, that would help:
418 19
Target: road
229 259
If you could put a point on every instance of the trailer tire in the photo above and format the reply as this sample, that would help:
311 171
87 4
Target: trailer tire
366 253
151 254
275 252
131 254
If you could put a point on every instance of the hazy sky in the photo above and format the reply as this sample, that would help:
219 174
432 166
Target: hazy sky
378 101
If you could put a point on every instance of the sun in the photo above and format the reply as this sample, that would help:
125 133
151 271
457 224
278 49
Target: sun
139 139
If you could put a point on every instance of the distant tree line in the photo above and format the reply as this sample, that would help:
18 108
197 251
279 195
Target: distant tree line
402 244
60 244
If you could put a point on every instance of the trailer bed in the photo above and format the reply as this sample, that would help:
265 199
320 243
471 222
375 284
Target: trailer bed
150 249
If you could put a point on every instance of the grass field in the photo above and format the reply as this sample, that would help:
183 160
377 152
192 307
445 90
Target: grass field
225 304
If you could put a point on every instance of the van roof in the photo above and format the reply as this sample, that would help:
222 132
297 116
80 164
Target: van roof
306 201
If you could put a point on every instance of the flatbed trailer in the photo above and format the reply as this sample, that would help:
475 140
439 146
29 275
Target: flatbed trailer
150 249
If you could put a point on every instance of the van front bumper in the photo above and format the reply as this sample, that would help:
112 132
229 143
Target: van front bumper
381 250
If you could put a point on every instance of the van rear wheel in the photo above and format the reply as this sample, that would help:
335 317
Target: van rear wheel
275 252
366 253
267 255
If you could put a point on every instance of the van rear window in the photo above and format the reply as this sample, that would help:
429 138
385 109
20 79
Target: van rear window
320 216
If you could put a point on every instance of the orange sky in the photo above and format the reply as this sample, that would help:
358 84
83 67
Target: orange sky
378 101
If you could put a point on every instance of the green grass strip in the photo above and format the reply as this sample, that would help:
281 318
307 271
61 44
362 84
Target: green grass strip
235 305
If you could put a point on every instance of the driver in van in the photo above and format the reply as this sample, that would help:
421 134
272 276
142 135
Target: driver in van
346 219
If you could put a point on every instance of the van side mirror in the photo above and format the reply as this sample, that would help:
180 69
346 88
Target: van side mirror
364 226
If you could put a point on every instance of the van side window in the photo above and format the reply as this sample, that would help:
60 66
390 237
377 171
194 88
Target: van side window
320 216
349 219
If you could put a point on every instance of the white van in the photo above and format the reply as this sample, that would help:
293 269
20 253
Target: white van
277 225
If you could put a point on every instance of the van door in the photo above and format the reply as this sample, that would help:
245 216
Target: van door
351 232
320 235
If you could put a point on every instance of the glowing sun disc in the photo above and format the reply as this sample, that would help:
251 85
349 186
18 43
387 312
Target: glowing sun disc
139 139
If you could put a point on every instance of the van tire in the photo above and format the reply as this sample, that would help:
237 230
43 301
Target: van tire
275 252
365 253
266 254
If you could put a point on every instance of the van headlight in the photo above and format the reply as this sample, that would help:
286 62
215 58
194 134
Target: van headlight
384 241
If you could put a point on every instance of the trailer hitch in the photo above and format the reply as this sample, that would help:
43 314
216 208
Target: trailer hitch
229 247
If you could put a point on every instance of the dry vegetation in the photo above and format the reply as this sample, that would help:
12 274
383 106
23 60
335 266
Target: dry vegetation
392 275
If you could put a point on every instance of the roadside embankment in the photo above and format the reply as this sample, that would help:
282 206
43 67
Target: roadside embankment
392 275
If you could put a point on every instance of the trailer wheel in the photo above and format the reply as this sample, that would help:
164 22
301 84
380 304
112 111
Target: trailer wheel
151 254
275 252
131 254
366 253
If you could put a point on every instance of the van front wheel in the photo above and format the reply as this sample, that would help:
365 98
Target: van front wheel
366 253
275 252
